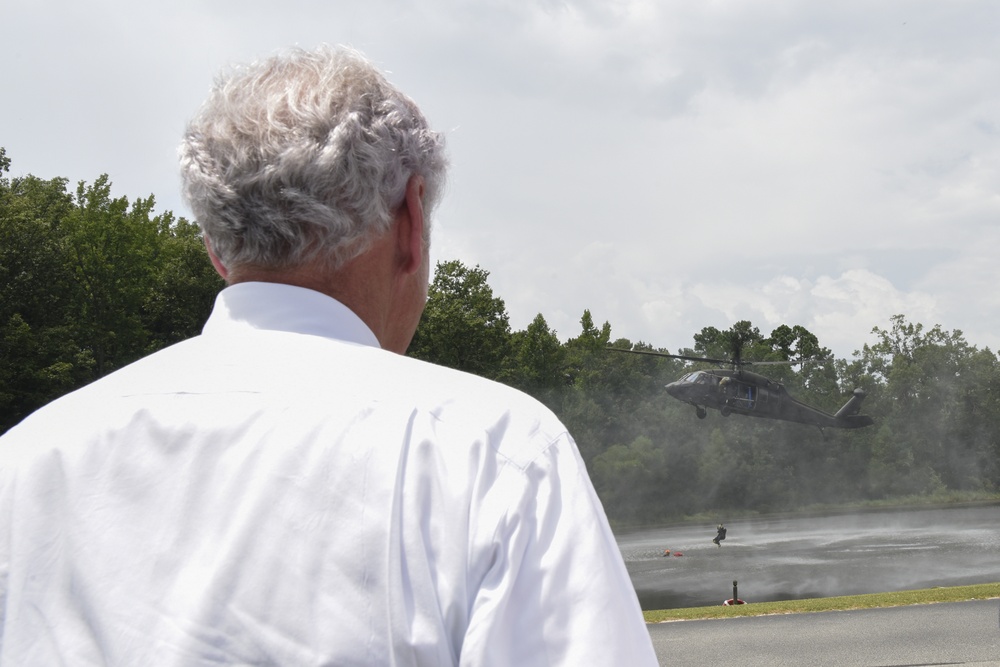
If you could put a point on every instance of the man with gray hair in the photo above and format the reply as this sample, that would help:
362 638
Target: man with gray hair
287 488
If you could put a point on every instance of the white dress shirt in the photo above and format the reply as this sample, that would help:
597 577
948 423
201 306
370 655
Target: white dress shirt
281 491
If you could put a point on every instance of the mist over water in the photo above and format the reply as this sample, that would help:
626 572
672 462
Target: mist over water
787 559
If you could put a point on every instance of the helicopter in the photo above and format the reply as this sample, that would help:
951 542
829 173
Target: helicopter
737 390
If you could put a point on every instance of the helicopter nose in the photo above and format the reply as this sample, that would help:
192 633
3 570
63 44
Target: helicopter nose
675 389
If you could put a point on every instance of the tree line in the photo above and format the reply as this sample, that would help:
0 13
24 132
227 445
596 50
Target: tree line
91 282
935 399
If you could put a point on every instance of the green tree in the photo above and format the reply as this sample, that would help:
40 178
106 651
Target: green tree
88 283
738 342
630 480
936 396
537 360
39 357
184 286
113 249
816 375
464 326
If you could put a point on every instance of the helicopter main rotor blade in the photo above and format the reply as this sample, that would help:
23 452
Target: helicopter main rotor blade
774 363
731 362
670 356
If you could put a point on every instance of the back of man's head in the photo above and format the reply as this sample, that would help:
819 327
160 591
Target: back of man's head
304 157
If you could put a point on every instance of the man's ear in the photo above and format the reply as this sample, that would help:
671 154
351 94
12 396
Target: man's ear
410 227
216 262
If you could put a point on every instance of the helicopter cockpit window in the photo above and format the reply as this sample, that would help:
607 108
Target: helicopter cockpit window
699 377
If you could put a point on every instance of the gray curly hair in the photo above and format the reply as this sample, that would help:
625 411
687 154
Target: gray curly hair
305 155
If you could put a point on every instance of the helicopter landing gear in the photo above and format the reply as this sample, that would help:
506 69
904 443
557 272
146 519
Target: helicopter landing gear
700 411
725 410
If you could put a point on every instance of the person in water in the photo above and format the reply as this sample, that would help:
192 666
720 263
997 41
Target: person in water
720 536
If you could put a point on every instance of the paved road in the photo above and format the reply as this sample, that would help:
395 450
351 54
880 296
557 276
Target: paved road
958 633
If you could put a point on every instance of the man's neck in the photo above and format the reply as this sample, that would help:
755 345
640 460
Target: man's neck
360 285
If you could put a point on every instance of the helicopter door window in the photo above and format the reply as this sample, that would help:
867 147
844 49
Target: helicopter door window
746 396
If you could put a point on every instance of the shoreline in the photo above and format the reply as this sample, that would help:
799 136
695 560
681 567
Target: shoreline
990 591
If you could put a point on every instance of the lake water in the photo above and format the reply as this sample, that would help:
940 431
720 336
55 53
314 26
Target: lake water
785 559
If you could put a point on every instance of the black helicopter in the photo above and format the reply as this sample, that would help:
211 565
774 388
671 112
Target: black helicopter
736 390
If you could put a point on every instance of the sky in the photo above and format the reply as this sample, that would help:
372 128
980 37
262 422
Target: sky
667 165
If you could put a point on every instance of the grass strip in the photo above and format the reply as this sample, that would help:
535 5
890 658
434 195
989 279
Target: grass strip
869 601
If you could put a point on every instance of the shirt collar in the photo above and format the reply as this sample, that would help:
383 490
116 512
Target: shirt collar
280 307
